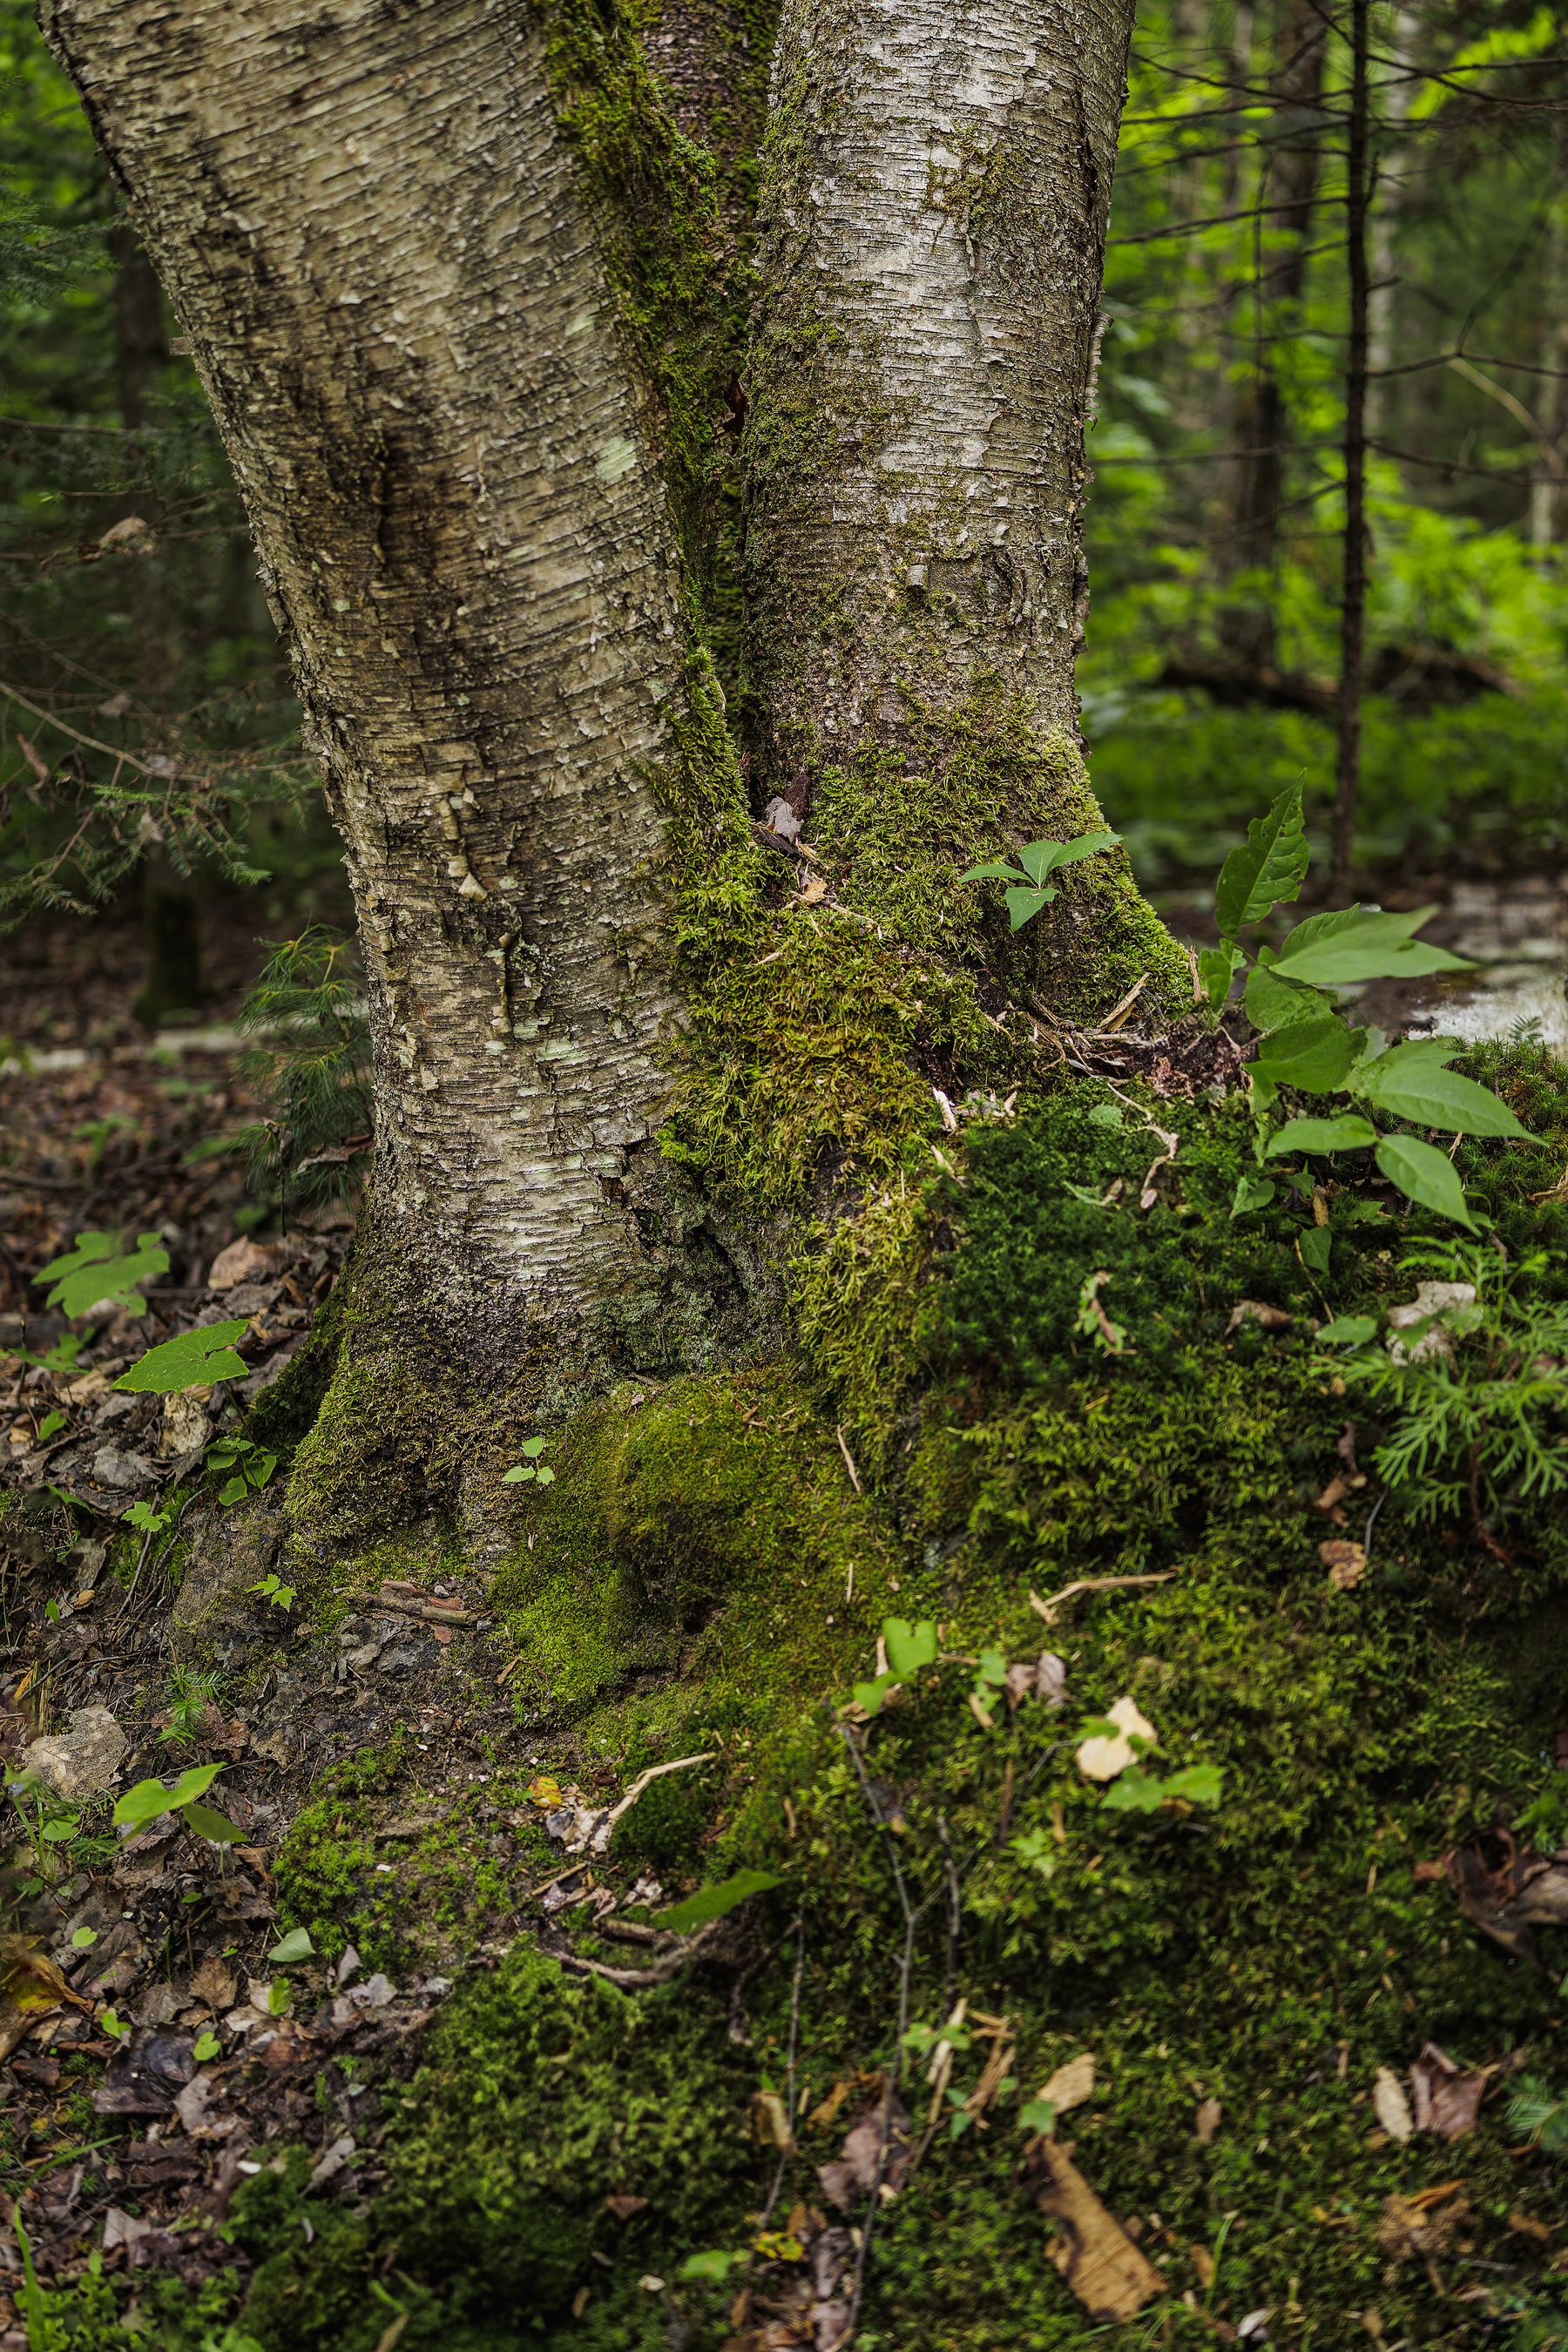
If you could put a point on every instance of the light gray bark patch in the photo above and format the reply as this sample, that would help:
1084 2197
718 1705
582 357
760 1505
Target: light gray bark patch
377 239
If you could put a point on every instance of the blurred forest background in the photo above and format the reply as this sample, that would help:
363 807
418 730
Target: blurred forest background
156 808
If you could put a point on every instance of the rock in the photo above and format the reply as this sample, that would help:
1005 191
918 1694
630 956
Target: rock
214 1611
112 1468
185 1427
82 1760
243 1260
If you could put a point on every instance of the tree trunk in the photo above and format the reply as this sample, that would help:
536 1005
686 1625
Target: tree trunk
380 244
934 209
464 299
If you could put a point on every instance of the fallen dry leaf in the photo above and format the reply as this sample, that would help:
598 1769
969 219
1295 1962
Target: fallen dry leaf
815 892
1422 2227
1094 2253
770 2121
1208 2118
623 2207
1071 2083
1255 1311
242 1261
1447 2099
1346 1562
1101 1758
1526 1891
1391 2106
855 2169
215 1984
1203 2263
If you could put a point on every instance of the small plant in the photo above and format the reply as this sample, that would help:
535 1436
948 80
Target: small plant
314 1070
252 1465
150 1521
272 1588
1309 1046
52 1823
1539 2114
531 1467
206 2045
1480 1384
193 1360
99 1274
1029 893
906 1649
190 1693
149 1800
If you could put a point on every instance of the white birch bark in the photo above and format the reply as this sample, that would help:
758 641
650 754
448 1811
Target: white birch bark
936 190
377 240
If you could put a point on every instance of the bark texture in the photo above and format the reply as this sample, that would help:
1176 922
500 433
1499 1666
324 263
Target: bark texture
936 190
381 249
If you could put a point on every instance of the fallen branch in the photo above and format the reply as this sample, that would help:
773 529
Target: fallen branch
429 1612
1048 1609
640 1979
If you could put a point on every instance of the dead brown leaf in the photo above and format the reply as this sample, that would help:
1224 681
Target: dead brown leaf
1421 2228
1094 2253
1208 2118
1072 2084
770 2121
1346 1564
1446 2100
623 2207
1524 1891
1257 1310
1202 2262
855 2169
215 1984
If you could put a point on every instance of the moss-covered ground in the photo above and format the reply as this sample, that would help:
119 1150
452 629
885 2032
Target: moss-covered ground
703 1577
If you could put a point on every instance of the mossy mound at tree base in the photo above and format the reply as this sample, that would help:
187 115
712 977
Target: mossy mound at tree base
1242 1974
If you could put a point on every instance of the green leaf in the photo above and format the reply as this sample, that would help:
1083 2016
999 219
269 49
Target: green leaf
1346 1134
291 1947
546 1476
1022 906
259 1470
207 2046
50 1423
83 1939
1427 1174
149 1800
208 1825
1315 1056
1420 1090
992 1668
716 2265
909 1647
993 873
58 1832
235 1491
1039 858
1272 1004
1251 1192
1270 865
1217 967
1200 1784
97 1269
193 1783
532 1447
1038 2116
870 1695
1314 1245
1346 1331
518 1473
1134 1792
193 1360
1362 943
715 1902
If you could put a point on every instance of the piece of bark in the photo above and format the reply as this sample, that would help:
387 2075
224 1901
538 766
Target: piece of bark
1094 2253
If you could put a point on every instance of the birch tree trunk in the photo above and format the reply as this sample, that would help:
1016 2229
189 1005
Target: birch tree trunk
380 246
470 330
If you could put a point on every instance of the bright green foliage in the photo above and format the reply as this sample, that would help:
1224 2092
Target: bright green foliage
98 1272
190 1693
193 1359
1540 2113
717 1902
1031 893
252 1466
530 1466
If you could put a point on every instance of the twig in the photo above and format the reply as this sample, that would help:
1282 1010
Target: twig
955 1908
785 2153
638 1980
1371 1522
1048 1609
849 1462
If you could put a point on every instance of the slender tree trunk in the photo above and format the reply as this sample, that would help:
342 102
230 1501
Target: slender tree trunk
381 247
1353 616
934 199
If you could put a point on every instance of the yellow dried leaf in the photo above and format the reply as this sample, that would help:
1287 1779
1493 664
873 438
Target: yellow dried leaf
1102 1759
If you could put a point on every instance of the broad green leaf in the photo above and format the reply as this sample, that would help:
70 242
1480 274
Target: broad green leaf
211 1825
1315 1056
1274 1003
58 1832
1421 1090
259 1468
909 1647
1036 2116
1362 943
1217 968
992 874
870 1695
546 1476
715 2265
992 1668
1200 1784
207 2046
291 1947
1022 906
1269 866
715 1902
1134 1791
97 1269
149 1800
518 1473
532 1447
1346 1134
1039 858
1347 1331
235 1492
192 1360
1427 1174
193 1783
1251 1192
1314 1245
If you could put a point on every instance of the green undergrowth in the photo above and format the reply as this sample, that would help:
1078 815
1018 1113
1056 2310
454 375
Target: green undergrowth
1241 1973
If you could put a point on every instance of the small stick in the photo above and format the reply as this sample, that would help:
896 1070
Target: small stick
849 1461
1048 1609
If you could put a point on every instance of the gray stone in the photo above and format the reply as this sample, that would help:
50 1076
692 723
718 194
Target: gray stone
214 1612
111 1467
82 1760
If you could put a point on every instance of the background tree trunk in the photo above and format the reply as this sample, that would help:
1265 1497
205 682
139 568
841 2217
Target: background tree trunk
379 243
